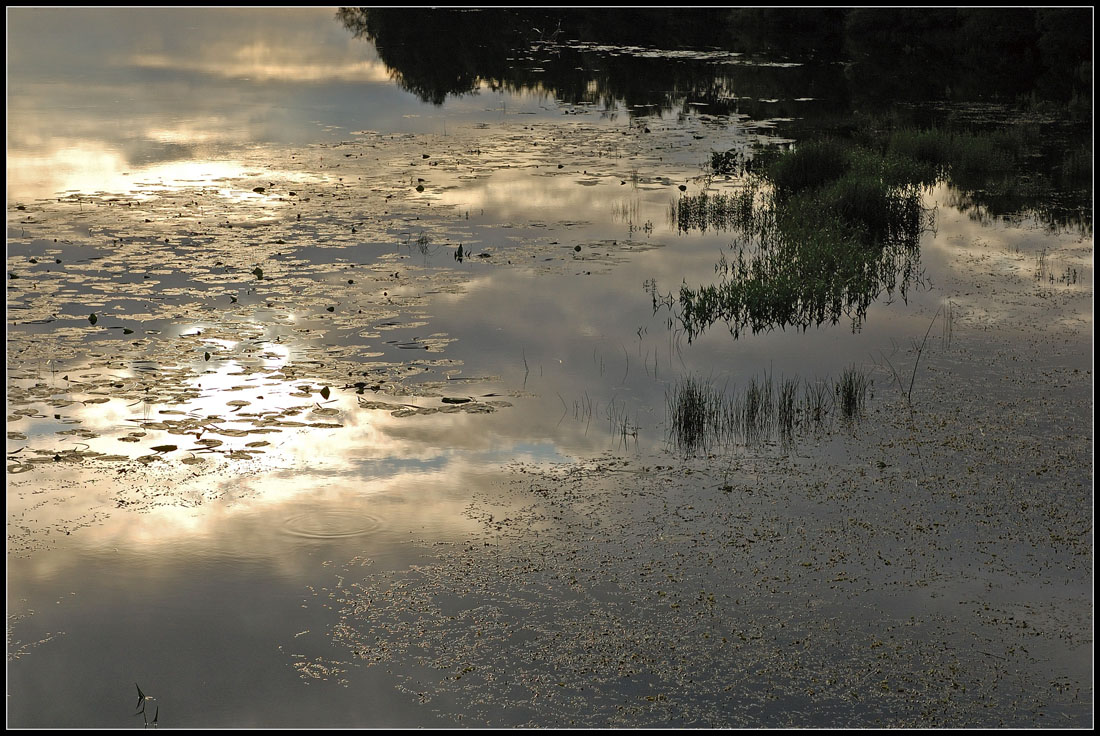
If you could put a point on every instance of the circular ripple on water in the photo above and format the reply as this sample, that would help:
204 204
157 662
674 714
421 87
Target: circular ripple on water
330 524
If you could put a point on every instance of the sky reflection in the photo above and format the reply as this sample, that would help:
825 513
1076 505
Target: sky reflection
314 381
96 95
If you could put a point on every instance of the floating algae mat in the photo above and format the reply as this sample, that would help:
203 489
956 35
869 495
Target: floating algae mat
347 394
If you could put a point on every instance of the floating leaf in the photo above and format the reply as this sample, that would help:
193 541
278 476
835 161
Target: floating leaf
231 432
325 392
92 318
259 190
206 356
258 272
163 448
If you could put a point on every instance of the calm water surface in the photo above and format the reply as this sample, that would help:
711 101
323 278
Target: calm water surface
195 473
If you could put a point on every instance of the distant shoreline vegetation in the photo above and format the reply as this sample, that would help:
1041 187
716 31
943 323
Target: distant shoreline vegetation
883 103
916 54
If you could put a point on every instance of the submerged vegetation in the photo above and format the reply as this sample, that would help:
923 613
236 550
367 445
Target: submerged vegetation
701 415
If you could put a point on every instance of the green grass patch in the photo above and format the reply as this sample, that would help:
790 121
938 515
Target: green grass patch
823 231
809 166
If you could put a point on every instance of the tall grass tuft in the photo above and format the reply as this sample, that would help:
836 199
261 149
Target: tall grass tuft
817 401
787 406
809 166
700 416
851 390
708 211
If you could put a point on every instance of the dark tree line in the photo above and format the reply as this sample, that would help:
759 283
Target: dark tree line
887 53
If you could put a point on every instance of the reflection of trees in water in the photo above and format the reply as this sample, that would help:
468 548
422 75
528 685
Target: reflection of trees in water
433 53
890 54
438 53
802 260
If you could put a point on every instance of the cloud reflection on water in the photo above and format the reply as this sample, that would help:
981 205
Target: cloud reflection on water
94 95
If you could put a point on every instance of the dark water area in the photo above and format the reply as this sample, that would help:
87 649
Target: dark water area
813 72
876 57
697 367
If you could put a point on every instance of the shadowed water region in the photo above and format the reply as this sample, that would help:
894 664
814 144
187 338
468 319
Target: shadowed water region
676 371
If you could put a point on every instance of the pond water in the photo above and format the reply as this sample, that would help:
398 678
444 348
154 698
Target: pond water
332 406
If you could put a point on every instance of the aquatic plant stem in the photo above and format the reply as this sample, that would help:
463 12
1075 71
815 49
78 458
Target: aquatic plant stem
920 350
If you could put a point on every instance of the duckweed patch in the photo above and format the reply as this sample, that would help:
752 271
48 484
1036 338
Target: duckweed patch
762 591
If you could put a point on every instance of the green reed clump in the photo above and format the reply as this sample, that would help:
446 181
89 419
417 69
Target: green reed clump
755 410
931 147
895 169
851 389
964 158
977 158
698 413
817 401
701 416
826 231
810 266
809 166
876 212
706 211
786 406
